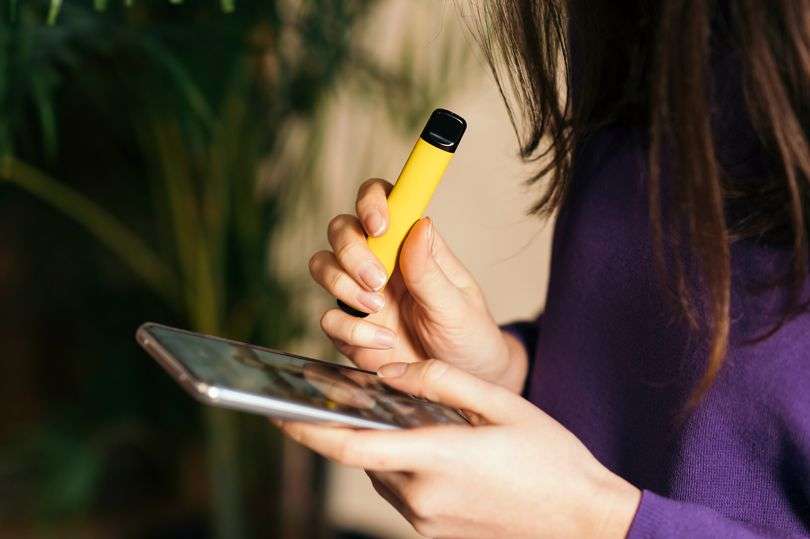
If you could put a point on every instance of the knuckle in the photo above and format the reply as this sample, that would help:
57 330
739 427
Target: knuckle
355 331
373 191
316 262
346 349
333 226
447 453
343 349
369 184
346 452
342 346
337 224
327 322
294 433
345 251
336 281
365 186
472 291
433 371
419 502
423 527
377 460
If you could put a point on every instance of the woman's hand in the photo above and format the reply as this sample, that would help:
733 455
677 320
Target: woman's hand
517 473
431 306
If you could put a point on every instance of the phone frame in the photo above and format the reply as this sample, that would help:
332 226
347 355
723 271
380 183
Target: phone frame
242 400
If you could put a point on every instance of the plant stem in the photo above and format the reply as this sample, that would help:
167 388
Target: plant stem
53 11
223 461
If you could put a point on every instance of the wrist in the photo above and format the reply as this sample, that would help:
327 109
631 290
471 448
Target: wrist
616 501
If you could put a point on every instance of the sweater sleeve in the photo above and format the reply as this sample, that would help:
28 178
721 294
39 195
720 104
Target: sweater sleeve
658 517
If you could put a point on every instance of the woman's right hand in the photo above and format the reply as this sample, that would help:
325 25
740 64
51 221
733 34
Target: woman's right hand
431 307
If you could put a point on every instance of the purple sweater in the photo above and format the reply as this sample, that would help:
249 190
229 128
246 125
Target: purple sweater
614 364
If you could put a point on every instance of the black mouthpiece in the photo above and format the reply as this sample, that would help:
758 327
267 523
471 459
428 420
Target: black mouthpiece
444 130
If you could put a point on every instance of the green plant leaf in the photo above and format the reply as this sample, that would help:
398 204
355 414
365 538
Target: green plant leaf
100 223
53 11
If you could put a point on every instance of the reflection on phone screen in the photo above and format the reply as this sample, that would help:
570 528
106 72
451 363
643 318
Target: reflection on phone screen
249 369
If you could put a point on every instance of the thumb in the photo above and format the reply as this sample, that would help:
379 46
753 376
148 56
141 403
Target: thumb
422 272
440 382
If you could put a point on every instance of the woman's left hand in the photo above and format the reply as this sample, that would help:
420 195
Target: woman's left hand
516 473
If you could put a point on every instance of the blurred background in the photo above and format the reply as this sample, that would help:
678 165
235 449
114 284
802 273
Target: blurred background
178 162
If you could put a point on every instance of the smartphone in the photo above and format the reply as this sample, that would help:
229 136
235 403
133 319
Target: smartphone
254 379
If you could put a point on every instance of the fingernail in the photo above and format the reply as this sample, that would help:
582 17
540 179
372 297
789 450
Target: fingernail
375 223
373 276
385 337
392 370
372 300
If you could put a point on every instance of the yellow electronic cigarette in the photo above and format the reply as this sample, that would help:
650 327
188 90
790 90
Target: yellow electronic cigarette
415 186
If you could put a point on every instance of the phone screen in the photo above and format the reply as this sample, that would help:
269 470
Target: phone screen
328 386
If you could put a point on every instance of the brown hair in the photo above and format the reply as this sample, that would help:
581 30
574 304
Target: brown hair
649 63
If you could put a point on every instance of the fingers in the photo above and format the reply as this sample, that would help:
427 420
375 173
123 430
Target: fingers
357 331
346 349
372 450
423 276
349 244
392 486
372 206
328 272
440 382
449 263
396 481
390 495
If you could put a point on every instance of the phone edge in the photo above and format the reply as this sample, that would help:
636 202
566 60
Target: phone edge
147 325
242 400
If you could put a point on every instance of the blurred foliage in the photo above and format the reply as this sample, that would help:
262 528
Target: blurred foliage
178 138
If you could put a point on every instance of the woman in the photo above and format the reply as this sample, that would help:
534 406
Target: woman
668 379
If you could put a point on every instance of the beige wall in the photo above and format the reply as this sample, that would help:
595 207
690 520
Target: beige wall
479 208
